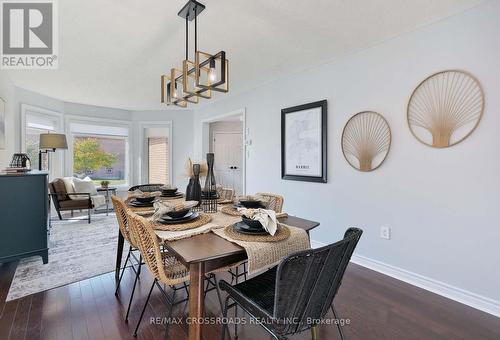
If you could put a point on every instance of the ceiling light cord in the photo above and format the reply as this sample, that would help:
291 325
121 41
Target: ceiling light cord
187 37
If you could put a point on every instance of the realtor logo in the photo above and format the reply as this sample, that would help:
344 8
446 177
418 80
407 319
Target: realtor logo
29 34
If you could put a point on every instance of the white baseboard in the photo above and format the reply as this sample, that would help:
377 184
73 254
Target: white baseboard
451 292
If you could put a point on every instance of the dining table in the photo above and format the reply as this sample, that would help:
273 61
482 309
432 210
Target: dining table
203 253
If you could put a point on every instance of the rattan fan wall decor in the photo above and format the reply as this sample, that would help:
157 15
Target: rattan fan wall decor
445 108
366 140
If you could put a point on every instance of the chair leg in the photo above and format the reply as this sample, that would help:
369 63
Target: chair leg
131 297
314 333
342 336
144 308
245 271
59 214
169 316
236 307
224 317
89 216
123 271
219 296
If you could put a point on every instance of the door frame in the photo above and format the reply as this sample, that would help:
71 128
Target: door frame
143 152
205 140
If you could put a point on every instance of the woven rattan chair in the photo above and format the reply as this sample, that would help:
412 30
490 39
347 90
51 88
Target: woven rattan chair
300 289
121 215
165 268
273 201
147 187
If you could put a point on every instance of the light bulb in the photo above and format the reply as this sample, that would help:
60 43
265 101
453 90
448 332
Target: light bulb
212 75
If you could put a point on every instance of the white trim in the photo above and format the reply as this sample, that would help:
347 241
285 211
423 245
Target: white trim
468 298
142 168
69 118
205 140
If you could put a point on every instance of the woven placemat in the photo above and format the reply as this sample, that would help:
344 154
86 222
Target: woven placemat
221 201
230 210
281 234
201 220
141 209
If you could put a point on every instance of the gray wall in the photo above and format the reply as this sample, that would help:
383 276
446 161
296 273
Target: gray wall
442 204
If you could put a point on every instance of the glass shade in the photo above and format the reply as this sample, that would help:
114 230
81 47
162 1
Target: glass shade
52 141
212 71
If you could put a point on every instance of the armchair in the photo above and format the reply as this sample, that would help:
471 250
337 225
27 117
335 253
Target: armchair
63 202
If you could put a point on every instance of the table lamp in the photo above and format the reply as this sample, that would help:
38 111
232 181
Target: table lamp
49 142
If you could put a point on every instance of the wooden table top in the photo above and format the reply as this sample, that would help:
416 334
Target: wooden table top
210 247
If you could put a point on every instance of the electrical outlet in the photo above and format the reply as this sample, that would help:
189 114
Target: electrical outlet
385 232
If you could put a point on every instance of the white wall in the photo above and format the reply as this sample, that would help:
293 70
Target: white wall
442 205
182 141
7 92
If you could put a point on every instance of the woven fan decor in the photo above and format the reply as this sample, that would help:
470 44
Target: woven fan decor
201 220
281 234
445 108
366 140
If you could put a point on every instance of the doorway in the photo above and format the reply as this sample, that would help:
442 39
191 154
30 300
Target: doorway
225 138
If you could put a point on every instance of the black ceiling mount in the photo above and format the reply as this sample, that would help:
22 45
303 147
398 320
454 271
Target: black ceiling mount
191 10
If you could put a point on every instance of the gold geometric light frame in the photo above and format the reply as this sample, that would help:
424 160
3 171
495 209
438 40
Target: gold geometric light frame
445 107
367 138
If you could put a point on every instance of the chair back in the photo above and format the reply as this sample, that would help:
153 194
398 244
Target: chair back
226 194
147 187
167 269
273 201
121 216
307 282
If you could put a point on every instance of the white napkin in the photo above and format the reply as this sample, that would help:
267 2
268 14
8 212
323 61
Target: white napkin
266 217
161 208
139 193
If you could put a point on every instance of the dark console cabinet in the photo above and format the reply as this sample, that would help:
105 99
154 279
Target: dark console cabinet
23 216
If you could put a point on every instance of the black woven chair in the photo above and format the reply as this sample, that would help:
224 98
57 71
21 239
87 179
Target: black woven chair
300 289
147 187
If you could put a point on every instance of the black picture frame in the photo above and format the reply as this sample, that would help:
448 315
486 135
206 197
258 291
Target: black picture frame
324 142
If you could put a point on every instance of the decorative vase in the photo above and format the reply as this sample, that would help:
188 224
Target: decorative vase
210 190
193 190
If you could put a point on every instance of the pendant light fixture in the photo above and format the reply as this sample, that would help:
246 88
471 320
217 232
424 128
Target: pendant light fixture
198 78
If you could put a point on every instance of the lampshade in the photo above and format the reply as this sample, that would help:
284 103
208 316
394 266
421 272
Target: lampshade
52 141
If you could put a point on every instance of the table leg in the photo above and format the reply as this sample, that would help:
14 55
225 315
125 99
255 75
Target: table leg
119 254
196 299
107 202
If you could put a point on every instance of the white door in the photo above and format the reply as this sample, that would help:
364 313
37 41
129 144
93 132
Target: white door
228 150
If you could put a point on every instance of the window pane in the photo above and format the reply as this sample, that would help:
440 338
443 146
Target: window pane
100 158
158 160
32 141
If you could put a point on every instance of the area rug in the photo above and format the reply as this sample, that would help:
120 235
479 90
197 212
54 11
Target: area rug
77 251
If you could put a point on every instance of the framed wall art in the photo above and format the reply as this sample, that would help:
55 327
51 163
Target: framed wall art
304 142
2 124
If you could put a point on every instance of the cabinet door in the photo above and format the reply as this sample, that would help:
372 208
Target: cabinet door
23 214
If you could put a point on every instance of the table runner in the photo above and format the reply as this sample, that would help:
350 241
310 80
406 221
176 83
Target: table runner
263 255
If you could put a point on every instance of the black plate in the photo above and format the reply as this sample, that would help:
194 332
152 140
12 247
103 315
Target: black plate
243 228
250 204
191 217
138 204
170 218
145 199
254 224
177 194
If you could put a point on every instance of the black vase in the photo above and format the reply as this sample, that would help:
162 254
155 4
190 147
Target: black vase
209 203
193 190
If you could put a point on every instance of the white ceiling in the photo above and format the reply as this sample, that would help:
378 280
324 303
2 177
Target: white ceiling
112 52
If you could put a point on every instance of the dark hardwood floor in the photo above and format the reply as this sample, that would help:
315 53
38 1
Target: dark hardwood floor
379 307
